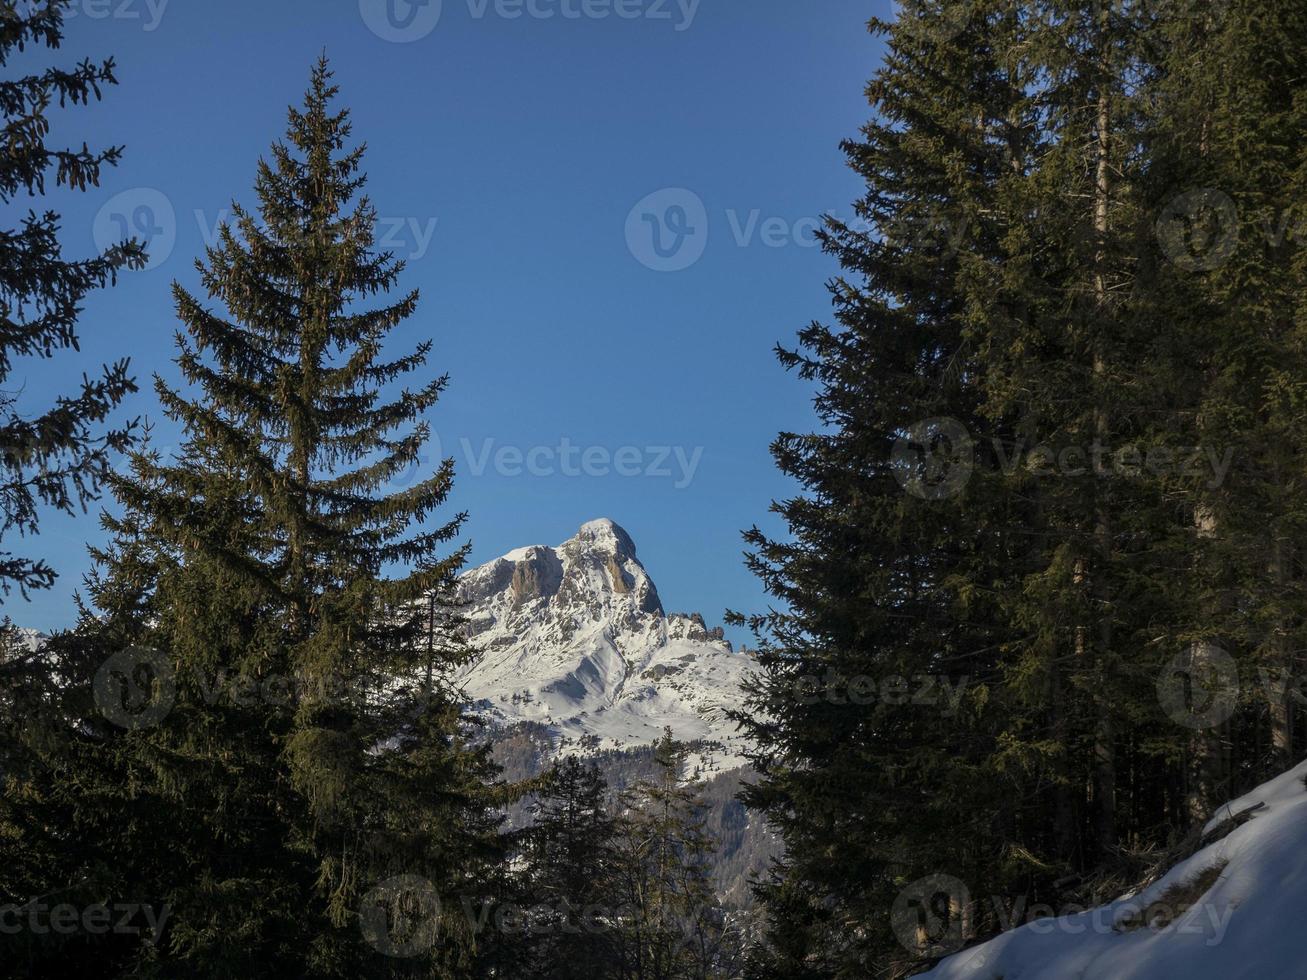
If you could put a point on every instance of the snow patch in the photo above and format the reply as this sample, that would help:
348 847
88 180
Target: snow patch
1247 926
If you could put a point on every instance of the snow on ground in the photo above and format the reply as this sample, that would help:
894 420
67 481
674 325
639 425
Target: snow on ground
1249 925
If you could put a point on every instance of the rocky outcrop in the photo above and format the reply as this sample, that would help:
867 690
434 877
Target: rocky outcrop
690 626
538 575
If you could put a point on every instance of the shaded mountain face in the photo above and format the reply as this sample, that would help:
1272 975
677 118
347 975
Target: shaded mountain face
745 847
575 638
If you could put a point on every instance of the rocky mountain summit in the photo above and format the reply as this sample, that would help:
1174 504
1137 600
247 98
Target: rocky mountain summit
575 638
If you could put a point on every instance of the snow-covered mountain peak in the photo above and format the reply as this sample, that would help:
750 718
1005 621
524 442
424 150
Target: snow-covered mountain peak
607 535
544 597
575 637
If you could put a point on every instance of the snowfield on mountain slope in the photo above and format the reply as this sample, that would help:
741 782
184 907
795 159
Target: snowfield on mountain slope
1247 926
575 638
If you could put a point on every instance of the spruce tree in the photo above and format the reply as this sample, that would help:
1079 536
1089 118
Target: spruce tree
308 804
56 456
667 926
1230 268
897 565
966 510
569 856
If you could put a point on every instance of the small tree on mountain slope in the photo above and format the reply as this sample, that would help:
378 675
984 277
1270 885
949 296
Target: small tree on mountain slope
667 924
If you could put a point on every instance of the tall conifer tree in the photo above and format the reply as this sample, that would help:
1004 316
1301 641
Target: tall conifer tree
666 925
1232 272
570 855
308 803
54 456
895 568
999 493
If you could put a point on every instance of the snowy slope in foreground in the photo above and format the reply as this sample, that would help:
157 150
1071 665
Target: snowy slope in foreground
1248 926
575 638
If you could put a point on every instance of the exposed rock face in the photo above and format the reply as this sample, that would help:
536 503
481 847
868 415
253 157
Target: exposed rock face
575 638
617 575
536 576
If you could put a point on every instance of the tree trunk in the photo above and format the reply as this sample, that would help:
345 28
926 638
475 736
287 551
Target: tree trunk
1280 678
1104 736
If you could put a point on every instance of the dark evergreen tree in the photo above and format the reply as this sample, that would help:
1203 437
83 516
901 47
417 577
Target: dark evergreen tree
569 857
306 801
897 565
998 493
667 925
55 456
1230 269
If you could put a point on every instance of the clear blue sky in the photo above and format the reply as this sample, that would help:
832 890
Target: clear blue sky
522 164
